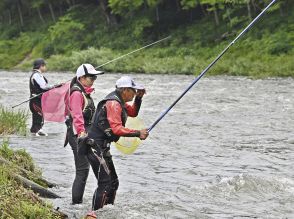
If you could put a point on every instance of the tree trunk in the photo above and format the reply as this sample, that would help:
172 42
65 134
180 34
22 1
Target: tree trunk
178 6
60 10
157 13
110 18
281 8
249 10
43 192
256 8
229 16
52 11
40 15
203 10
68 2
20 14
9 18
216 19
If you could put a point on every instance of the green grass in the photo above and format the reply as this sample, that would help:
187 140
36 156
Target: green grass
12 122
16 201
19 157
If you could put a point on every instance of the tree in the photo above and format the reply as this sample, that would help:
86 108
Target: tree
107 12
18 3
37 4
189 4
215 5
50 4
154 4
124 7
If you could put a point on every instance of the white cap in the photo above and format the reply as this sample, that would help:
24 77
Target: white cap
87 69
127 81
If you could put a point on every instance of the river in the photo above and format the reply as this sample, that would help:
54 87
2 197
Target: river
224 151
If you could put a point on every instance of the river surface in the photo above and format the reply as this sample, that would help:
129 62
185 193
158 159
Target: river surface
224 151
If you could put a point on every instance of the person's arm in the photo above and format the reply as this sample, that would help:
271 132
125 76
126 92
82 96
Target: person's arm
41 81
114 111
133 109
76 105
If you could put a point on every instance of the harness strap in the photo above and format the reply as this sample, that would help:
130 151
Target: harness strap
101 161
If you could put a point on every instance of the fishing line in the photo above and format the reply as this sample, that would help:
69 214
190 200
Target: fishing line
208 67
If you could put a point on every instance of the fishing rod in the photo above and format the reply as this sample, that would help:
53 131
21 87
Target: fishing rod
120 57
208 67
37 95
28 100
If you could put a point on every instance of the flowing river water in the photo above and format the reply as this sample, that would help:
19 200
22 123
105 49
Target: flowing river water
224 151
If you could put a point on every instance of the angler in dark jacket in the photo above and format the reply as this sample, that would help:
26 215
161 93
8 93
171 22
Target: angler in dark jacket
38 85
107 126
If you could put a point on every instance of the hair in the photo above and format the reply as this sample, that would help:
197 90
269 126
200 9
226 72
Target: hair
119 89
38 63
73 81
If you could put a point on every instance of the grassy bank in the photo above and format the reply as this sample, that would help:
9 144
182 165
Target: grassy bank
16 201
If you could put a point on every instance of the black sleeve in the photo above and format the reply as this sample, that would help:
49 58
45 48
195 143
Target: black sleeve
138 102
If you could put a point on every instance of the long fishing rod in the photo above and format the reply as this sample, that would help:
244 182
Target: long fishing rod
28 99
120 57
208 67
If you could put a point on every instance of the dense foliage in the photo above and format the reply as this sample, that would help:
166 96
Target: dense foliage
69 32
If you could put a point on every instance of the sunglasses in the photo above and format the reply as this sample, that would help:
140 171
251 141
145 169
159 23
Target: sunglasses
92 77
132 89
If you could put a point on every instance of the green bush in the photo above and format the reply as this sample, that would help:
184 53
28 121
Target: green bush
94 56
13 51
66 34
12 122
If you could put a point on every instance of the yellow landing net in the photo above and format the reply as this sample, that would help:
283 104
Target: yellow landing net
128 145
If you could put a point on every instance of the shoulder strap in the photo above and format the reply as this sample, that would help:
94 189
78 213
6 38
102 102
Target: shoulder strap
75 87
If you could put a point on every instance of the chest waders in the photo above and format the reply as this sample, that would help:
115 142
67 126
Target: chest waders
99 155
35 104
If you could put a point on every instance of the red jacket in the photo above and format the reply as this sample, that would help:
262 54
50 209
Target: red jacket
114 111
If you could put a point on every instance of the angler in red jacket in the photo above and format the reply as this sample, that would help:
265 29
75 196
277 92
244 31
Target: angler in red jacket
107 126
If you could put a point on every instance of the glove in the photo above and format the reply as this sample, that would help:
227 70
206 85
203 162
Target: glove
140 92
82 135
84 144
